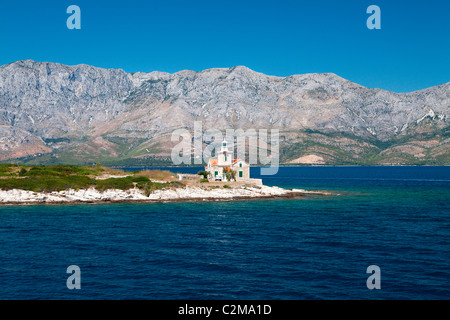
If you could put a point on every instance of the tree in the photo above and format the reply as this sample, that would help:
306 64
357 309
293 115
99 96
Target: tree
229 174
23 171
233 174
205 174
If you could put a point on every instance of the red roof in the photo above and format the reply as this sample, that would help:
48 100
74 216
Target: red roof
215 162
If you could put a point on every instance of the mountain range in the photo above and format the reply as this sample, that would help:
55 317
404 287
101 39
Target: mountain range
53 113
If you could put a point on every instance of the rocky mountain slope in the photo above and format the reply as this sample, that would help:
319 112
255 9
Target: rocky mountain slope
53 113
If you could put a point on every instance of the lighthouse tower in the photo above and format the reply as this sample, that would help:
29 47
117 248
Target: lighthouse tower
224 156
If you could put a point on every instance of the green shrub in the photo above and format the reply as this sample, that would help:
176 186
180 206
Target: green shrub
121 183
204 180
227 186
204 174
59 170
46 184
176 184
5 169
147 189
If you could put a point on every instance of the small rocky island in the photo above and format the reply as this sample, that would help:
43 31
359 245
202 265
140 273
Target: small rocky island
92 184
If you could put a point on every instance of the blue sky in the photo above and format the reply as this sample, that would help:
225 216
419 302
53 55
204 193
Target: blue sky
282 37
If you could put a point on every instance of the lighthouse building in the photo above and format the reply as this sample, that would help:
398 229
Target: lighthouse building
225 168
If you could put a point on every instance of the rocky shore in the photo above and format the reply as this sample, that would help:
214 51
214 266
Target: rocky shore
189 193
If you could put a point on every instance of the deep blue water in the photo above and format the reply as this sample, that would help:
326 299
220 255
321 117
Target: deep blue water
316 248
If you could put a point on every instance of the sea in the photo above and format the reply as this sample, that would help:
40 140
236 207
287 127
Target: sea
318 247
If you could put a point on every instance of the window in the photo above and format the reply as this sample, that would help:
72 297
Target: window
240 174
216 173
240 165
225 159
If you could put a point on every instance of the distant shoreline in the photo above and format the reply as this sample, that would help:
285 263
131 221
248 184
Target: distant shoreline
298 165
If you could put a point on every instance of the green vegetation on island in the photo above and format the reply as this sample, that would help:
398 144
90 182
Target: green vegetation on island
63 177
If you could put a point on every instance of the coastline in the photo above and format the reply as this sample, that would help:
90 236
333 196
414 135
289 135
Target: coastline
285 165
187 194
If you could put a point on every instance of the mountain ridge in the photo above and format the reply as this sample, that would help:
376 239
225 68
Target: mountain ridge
54 113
